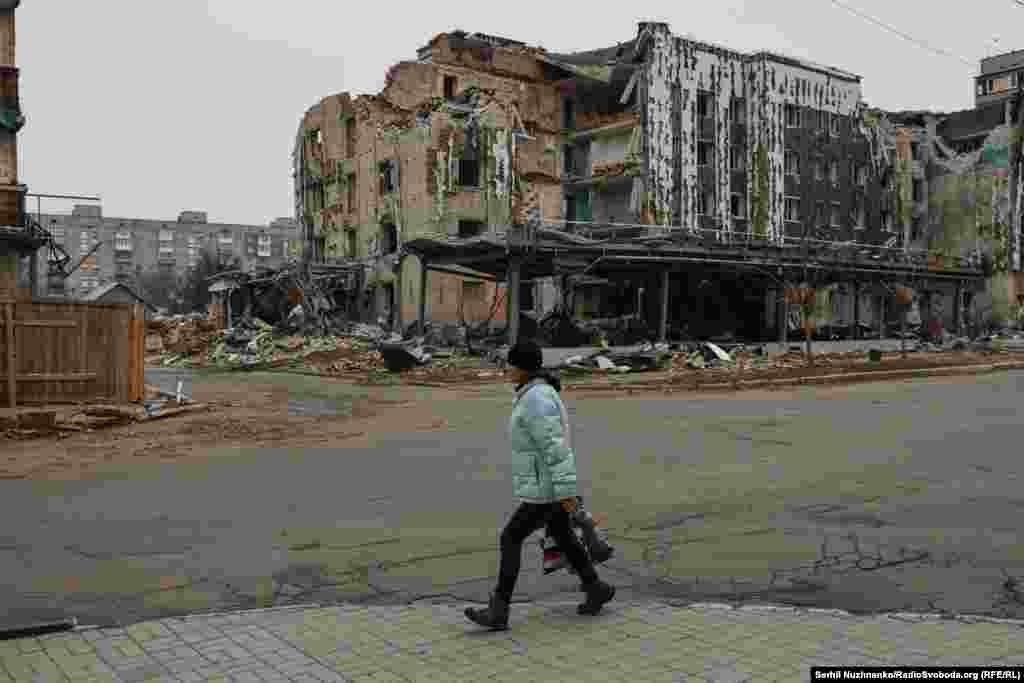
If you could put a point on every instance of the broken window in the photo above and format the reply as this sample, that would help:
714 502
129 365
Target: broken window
704 104
350 137
568 113
470 228
886 220
792 116
792 162
388 238
705 153
449 87
351 235
388 176
792 209
738 111
469 172
705 202
834 218
738 205
737 158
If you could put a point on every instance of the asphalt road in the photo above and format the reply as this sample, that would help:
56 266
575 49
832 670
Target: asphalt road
872 497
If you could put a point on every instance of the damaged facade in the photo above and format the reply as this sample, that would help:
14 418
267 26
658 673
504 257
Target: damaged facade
535 167
457 145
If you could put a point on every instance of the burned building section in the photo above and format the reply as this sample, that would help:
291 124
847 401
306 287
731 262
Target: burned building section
680 185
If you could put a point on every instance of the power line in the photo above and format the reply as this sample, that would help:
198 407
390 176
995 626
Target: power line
907 36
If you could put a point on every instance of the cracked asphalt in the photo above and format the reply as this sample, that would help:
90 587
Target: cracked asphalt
878 497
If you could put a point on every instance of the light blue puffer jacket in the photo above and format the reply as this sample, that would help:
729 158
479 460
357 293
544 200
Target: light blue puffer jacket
544 466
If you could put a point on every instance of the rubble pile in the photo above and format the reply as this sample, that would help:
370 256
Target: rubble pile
183 337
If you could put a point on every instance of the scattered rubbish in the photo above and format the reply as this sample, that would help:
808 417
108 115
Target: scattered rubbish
719 353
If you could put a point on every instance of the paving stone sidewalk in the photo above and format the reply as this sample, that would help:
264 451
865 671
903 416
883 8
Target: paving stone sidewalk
631 641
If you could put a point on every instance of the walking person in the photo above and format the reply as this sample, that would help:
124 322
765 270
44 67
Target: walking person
544 480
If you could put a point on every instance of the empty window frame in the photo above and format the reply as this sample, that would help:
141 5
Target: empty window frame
738 111
705 153
704 104
737 158
792 209
792 116
469 172
792 163
738 205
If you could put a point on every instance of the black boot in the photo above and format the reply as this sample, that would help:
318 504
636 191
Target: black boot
598 593
495 617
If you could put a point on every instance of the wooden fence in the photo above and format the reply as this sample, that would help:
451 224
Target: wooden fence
68 352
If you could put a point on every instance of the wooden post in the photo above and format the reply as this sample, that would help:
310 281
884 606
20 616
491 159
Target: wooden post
422 324
856 310
12 400
512 298
663 320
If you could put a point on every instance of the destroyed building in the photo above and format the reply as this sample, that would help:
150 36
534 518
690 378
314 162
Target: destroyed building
667 178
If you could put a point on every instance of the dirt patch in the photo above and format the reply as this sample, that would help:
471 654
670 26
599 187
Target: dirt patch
239 414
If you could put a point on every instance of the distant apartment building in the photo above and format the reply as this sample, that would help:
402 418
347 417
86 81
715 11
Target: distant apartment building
1001 76
122 249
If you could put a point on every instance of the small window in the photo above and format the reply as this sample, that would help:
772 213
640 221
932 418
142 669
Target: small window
469 173
738 205
738 111
792 161
834 218
388 238
737 158
792 116
703 104
705 202
568 113
792 209
470 228
388 171
122 241
449 87
705 153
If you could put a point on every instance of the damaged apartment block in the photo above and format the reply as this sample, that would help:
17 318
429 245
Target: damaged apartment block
680 183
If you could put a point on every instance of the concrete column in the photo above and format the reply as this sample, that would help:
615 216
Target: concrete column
958 309
512 298
423 296
782 312
399 299
663 317
856 310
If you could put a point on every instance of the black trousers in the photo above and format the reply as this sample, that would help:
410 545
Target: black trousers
526 520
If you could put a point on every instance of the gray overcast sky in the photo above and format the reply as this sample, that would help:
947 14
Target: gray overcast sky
159 107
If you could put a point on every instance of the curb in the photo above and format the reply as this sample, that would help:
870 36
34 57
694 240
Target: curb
847 378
